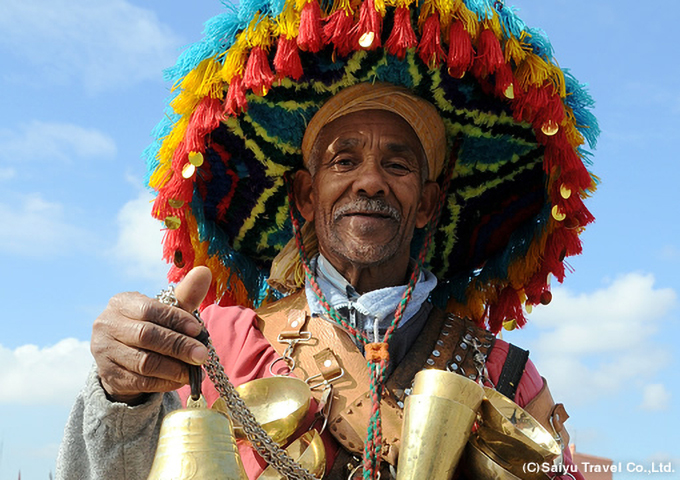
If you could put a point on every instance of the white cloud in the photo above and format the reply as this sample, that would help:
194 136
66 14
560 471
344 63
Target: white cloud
44 376
655 397
594 344
138 247
36 227
45 141
102 44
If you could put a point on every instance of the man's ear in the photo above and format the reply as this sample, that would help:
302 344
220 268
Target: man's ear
428 203
304 195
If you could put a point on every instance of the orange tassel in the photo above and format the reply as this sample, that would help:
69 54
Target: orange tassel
258 76
430 49
236 97
489 55
402 37
461 51
287 60
337 31
366 33
310 38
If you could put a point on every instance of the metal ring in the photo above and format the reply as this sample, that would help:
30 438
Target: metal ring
290 363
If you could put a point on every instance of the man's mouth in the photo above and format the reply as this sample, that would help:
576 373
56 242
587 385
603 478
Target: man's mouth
369 208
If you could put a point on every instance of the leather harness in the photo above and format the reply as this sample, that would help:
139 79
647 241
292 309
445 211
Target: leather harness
325 354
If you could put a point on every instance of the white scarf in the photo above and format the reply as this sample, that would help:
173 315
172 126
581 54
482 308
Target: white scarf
364 310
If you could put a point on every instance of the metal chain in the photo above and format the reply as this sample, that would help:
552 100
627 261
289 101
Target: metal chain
261 441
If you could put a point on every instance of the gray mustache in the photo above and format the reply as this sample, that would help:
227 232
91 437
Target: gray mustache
368 205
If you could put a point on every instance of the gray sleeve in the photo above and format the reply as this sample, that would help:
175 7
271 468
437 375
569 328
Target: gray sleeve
106 440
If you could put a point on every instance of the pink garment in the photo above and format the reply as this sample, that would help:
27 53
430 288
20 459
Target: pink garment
246 355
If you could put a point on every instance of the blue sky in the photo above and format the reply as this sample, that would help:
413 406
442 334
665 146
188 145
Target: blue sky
81 88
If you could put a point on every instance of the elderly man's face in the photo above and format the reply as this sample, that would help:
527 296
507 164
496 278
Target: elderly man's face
366 193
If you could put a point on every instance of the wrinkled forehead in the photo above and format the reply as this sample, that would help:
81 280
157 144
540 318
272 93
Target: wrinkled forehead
377 128
420 116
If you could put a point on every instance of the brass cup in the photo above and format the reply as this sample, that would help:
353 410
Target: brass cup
196 443
512 433
433 437
440 383
308 451
279 404
483 465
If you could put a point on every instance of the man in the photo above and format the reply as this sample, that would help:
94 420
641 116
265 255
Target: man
378 160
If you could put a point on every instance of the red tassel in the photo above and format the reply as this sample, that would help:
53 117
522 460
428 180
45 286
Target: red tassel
402 37
205 118
337 32
489 55
508 307
530 102
560 154
430 49
236 98
287 60
366 33
504 79
258 76
461 51
310 37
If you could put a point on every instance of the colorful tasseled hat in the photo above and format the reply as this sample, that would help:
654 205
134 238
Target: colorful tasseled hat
243 97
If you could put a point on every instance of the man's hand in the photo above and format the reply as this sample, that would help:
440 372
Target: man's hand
142 346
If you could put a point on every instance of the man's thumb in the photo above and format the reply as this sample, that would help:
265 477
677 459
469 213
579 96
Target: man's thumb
191 291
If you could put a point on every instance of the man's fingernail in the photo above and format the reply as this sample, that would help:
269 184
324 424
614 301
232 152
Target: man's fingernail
199 355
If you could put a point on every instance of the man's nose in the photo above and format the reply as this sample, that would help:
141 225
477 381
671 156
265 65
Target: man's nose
371 179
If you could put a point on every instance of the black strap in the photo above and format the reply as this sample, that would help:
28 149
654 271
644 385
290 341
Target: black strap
512 371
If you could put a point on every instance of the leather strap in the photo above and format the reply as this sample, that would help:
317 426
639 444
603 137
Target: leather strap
444 342
512 372
552 416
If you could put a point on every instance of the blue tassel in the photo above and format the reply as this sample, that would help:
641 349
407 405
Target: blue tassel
511 22
483 8
539 42
581 103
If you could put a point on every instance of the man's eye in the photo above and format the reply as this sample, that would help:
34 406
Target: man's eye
398 167
343 162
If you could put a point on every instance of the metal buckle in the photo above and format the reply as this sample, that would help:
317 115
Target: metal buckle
288 352
326 381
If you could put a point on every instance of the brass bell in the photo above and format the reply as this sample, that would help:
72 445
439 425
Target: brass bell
198 444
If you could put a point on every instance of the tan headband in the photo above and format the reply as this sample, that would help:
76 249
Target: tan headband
421 115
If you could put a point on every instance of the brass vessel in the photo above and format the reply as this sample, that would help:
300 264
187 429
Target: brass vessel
196 444
438 418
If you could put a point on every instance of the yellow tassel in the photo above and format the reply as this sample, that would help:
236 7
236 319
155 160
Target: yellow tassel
260 32
469 20
380 7
557 76
445 9
288 23
495 25
204 80
235 59
515 51
532 71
